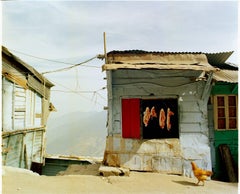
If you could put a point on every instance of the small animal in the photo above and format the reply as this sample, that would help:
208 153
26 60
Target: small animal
200 174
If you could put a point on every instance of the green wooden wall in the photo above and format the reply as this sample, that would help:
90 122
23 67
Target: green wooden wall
229 137
225 88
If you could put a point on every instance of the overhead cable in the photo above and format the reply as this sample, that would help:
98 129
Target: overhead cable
51 60
80 92
70 67
55 61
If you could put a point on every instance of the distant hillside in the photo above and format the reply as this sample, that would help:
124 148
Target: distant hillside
78 133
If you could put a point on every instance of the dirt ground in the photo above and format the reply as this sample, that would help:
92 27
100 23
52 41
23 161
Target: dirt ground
84 179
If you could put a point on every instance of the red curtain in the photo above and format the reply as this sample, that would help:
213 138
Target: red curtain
131 118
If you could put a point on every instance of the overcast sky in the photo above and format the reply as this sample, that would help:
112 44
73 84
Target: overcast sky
72 32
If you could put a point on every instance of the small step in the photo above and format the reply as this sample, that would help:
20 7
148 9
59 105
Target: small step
113 171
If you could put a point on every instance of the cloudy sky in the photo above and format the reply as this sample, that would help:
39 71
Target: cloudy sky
72 32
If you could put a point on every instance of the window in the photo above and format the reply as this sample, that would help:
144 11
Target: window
225 111
33 109
21 108
150 118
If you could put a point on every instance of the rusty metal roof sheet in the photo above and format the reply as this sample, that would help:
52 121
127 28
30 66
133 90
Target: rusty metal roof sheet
148 52
139 59
230 76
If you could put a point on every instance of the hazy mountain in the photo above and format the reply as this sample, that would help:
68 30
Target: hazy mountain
77 133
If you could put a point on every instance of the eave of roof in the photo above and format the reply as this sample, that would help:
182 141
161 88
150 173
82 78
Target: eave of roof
137 59
29 68
217 59
214 60
229 76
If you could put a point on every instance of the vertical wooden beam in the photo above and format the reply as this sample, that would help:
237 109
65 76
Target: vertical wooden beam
228 163
13 107
25 156
105 47
207 87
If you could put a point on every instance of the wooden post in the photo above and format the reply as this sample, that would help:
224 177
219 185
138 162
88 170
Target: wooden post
207 86
105 48
228 162
25 156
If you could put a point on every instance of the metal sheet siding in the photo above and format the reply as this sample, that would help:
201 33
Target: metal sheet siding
4 150
14 145
22 148
54 166
37 147
192 115
29 139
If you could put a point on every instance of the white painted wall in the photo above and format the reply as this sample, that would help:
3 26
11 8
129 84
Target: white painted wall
7 98
193 122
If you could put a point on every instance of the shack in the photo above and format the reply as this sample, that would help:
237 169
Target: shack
223 120
158 110
25 109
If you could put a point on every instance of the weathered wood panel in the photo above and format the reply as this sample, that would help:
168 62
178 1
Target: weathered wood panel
14 75
37 147
38 87
19 107
7 98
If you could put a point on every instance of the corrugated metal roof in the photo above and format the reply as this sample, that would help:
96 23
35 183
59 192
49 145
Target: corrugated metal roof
226 76
138 59
147 52
215 59
227 66
193 66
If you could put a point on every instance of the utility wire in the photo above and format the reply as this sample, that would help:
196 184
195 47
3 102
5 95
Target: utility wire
51 60
67 68
79 92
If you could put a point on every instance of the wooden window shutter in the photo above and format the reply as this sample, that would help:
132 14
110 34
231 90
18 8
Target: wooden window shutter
131 118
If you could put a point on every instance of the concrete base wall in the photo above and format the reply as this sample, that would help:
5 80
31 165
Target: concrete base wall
144 155
157 155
